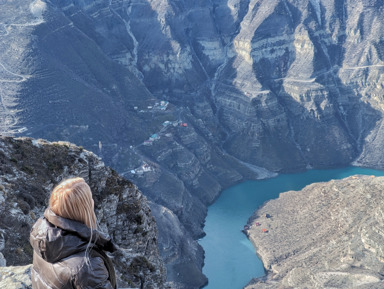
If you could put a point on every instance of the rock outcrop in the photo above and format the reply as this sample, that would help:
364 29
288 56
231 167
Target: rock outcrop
16 277
31 168
328 235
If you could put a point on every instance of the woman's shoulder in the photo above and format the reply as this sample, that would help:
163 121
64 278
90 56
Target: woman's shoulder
53 243
88 272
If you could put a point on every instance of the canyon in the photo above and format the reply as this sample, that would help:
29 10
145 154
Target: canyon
185 98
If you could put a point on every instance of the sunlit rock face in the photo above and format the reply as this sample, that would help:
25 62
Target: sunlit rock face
280 85
328 235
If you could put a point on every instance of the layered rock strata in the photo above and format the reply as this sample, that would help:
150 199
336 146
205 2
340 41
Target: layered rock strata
31 168
328 235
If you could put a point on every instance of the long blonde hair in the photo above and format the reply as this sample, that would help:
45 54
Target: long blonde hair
72 199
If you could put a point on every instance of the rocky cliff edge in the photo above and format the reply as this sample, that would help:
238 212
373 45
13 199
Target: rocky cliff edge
29 170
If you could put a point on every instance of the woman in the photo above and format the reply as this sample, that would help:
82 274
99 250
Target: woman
68 251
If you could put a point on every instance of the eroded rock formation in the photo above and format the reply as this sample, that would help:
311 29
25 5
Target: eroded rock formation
29 170
328 235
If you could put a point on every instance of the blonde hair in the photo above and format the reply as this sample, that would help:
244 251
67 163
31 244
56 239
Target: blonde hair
72 199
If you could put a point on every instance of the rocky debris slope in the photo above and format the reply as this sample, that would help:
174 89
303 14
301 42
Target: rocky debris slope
328 235
29 170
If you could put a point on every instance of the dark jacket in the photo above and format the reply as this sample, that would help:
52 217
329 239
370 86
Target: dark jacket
59 261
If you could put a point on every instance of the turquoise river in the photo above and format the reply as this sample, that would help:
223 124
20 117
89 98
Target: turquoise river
230 259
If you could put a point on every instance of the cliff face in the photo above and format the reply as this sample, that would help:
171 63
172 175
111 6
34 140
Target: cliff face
30 169
328 235
176 95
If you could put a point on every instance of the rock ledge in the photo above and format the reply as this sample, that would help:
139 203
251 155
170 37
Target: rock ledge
30 168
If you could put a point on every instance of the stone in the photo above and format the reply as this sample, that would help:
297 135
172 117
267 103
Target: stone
3 262
16 277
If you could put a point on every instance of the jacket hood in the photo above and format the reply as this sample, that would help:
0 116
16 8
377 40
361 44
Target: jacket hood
54 237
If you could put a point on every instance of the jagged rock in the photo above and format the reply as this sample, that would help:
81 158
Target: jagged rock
16 277
29 170
328 235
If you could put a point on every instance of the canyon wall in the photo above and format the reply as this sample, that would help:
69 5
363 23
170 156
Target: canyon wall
186 98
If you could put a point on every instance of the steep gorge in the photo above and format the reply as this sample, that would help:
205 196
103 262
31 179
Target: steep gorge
262 86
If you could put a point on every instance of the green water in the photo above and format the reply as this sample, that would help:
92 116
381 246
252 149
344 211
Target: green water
230 259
